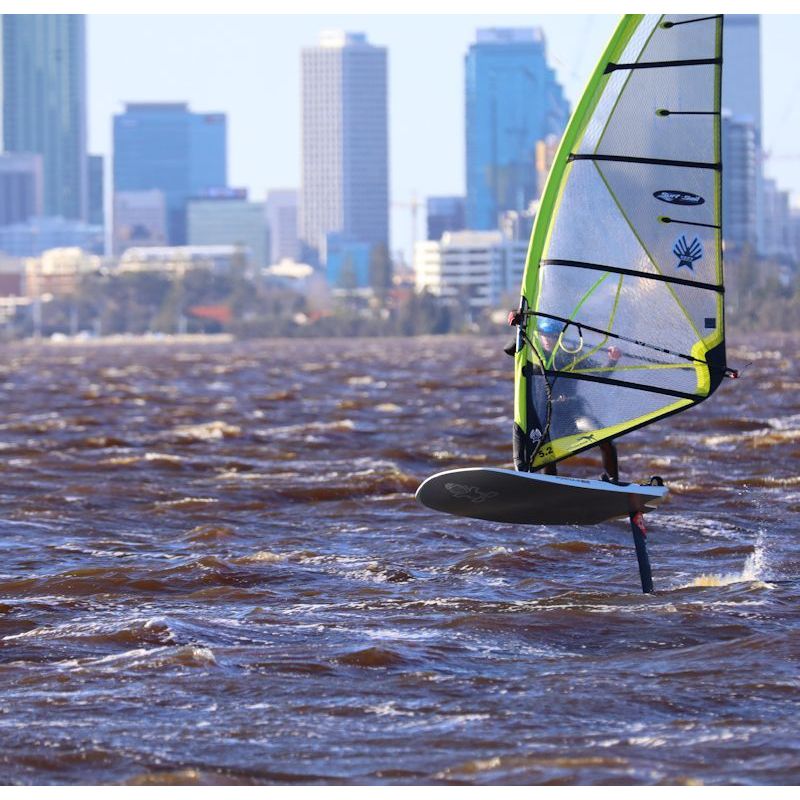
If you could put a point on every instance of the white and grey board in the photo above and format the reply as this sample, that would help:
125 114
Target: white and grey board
526 498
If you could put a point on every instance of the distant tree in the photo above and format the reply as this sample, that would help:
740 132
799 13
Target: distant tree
380 270
348 278
422 314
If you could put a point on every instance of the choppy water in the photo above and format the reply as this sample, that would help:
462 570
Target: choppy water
214 571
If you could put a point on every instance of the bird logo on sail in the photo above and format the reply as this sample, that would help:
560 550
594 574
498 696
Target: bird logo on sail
687 253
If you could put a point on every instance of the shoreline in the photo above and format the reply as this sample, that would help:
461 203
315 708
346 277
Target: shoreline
124 339
734 336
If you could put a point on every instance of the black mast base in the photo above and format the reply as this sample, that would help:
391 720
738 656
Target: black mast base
640 542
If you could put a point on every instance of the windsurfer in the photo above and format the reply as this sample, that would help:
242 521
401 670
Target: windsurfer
558 358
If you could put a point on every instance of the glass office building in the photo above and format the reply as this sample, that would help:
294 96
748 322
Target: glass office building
226 216
44 103
741 97
165 146
512 101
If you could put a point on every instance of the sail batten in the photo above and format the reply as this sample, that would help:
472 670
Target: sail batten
576 375
654 276
687 62
663 162
634 195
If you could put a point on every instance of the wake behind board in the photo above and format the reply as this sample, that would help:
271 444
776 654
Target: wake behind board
526 498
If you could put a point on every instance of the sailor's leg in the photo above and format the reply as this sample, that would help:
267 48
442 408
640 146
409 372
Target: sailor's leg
610 461
640 543
550 469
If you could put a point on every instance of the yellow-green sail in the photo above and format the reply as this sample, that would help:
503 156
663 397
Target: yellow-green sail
624 267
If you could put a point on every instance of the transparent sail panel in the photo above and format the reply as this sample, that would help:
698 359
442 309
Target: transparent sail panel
590 226
597 407
637 128
689 37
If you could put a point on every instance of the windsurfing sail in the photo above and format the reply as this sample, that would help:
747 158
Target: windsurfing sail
621 318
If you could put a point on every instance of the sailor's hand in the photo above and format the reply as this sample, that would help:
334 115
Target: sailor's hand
614 354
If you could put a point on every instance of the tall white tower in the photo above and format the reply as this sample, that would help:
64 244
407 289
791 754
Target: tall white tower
345 170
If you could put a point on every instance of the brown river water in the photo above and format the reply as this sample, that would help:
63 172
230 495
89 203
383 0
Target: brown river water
214 571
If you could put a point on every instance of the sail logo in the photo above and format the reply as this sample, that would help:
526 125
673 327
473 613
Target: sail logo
678 198
687 253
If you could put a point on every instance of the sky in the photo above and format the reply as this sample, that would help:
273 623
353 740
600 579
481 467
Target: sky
249 68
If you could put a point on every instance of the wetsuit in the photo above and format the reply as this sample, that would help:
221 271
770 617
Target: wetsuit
568 404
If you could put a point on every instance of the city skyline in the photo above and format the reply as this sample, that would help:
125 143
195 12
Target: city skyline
426 73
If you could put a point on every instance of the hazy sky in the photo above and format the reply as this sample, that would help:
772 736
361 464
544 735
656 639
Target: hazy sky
249 68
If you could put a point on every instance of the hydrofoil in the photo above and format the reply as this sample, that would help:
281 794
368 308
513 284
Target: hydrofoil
529 498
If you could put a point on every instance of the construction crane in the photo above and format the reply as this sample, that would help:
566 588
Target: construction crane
413 206
768 155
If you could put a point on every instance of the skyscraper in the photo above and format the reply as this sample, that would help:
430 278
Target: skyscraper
741 96
512 101
345 169
44 102
165 146
741 77
740 181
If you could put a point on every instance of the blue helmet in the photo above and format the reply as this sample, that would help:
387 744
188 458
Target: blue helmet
549 327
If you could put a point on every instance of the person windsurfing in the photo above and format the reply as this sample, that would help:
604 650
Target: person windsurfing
557 357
